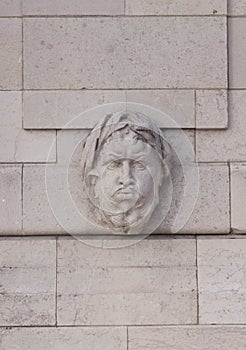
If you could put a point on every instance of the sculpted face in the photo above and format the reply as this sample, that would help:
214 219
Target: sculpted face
124 179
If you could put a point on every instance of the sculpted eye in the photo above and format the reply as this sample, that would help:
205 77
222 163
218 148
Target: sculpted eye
114 165
139 166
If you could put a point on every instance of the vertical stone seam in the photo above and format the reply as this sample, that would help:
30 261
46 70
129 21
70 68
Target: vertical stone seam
22 198
195 98
127 338
230 202
56 281
197 282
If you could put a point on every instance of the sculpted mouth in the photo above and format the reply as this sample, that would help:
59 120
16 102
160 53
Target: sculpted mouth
126 191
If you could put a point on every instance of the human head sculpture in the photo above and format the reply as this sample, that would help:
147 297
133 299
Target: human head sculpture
125 161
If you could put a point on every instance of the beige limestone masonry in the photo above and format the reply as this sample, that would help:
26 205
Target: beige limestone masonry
11 54
211 109
221 281
151 282
125 53
187 338
62 109
86 338
28 280
238 197
237 49
16 144
176 7
237 7
10 199
225 145
10 8
73 7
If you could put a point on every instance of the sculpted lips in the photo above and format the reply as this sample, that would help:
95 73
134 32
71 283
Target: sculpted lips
125 191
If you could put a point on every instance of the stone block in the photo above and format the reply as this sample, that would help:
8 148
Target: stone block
151 282
225 145
211 109
170 7
238 197
10 199
95 338
73 7
187 337
11 54
221 281
18 145
66 109
10 8
28 279
179 105
37 214
237 7
211 213
116 53
237 51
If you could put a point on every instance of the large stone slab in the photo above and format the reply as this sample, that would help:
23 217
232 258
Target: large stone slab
237 51
238 197
237 7
10 8
10 199
28 280
165 52
16 144
186 338
11 54
175 7
73 7
225 145
64 338
221 281
151 282
82 109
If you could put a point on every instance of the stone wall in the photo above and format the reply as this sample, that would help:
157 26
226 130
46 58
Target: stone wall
169 291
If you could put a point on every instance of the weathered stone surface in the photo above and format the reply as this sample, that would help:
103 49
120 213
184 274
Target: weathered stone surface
151 282
221 281
28 278
10 8
65 109
211 109
64 338
18 145
73 7
10 199
125 52
186 338
237 7
37 214
175 7
238 197
11 54
212 210
177 104
228 145
237 51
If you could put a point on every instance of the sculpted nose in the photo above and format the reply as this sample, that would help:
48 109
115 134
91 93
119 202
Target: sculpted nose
126 178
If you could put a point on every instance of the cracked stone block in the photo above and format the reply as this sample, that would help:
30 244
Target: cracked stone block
211 109
175 7
10 199
123 53
18 145
221 281
11 53
187 337
150 282
28 281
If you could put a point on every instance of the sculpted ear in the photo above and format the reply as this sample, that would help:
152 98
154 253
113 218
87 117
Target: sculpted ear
91 181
